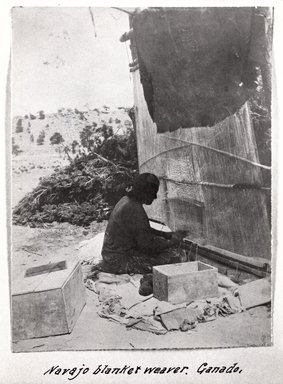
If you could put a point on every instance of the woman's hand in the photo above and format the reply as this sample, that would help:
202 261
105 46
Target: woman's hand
178 236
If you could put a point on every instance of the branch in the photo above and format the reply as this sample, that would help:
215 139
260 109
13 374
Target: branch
123 10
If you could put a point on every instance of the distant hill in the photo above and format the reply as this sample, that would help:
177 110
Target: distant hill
31 133
47 186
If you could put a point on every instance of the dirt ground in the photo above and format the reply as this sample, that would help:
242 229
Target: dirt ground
31 246
91 332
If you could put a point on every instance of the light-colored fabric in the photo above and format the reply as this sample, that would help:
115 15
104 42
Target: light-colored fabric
177 318
150 307
147 324
255 293
225 282
120 301
89 251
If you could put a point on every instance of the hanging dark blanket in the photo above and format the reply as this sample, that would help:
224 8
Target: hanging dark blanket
199 65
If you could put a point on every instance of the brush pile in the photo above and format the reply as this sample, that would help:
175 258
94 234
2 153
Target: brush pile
89 187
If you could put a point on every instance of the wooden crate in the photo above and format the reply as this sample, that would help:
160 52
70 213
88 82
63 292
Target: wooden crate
47 304
184 282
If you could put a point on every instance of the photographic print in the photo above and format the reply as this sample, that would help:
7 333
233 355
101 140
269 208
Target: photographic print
141 179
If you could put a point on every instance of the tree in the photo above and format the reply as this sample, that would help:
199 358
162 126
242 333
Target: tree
40 139
15 148
128 123
86 136
56 138
31 138
81 114
131 113
74 146
19 127
41 115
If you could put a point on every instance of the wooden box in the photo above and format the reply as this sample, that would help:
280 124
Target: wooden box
47 304
184 282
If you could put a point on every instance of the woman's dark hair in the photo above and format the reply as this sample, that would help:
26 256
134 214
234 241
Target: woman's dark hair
144 184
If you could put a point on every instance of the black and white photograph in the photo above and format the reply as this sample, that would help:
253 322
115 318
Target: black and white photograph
142 193
141 163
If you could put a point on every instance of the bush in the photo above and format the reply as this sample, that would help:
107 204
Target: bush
19 126
40 139
15 148
81 114
88 188
41 115
74 146
87 136
57 138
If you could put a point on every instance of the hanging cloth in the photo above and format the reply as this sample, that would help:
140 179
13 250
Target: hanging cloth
198 65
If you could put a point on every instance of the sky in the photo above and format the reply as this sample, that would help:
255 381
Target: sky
58 62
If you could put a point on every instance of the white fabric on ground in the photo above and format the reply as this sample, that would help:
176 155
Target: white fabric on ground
255 293
225 282
89 251
120 301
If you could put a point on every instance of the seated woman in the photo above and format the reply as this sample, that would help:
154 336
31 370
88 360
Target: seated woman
130 244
